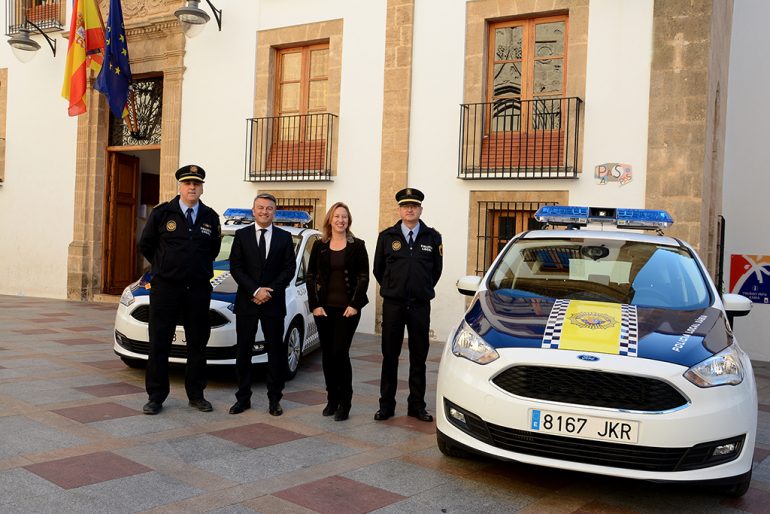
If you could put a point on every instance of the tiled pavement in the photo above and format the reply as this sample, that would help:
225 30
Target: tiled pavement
73 439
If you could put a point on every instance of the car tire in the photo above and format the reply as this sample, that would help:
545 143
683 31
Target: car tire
740 487
134 363
449 447
294 340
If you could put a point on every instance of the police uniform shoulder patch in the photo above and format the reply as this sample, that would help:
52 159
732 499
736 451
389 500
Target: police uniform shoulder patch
396 245
171 225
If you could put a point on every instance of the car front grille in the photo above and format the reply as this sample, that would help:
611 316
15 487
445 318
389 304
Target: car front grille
600 453
594 388
213 353
142 313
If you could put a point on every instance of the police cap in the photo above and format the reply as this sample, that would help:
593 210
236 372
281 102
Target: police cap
190 172
410 195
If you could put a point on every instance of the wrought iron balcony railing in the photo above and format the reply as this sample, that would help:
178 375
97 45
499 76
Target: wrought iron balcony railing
296 147
46 14
521 139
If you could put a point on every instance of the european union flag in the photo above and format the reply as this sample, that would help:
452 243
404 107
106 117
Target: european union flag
115 76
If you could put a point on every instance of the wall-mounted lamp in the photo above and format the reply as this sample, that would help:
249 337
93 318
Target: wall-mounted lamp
194 19
24 47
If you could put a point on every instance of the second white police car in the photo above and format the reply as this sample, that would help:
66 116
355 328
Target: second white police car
132 341
606 351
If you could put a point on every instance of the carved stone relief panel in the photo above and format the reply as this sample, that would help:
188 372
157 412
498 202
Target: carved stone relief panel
135 10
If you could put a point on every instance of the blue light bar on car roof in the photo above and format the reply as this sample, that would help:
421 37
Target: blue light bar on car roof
238 216
301 217
626 218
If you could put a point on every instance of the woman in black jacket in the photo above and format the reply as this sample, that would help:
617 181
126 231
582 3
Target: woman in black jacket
337 280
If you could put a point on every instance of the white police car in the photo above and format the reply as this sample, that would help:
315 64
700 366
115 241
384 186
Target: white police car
131 336
605 351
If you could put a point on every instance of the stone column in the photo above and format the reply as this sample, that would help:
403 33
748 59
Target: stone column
171 128
84 256
685 152
397 97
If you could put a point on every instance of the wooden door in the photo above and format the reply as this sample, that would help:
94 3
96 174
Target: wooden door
526 85
120 223
300 130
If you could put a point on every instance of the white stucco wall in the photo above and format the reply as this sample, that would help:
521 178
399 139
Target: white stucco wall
747 153
617 100
37 197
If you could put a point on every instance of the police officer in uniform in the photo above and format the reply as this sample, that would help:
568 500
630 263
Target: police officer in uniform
181 240
407 264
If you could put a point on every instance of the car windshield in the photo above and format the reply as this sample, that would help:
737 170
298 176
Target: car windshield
630 272
227 244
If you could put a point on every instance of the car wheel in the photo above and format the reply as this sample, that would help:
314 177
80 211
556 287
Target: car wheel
740 487
293 341
448 447
134 363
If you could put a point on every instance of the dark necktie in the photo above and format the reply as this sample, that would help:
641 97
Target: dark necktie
411 239
189 216
262 245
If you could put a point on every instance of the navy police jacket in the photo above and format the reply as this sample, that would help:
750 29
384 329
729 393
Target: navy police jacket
180 253
408 275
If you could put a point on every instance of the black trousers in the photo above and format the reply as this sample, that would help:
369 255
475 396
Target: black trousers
167 302
415 317
336 334
277 355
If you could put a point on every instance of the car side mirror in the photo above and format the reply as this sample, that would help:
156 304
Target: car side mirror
735 305
468 285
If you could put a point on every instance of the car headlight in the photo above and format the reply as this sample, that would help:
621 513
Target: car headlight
724 368
127 298
470 345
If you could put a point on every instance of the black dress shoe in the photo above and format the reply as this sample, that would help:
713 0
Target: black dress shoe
420 414
342 413
275 409
330 409
239 407
201 404
152 408
382 415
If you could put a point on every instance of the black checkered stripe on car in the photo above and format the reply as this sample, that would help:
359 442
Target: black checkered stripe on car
555 324
629 331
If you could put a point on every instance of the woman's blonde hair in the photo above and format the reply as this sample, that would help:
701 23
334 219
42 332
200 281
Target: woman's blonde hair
327 226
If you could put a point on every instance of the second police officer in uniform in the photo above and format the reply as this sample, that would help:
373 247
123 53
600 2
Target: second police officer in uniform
407 264
181 240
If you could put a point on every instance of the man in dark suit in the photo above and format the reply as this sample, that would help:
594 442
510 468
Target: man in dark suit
262 262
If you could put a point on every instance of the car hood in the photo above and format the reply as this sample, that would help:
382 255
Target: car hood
223 284
684 337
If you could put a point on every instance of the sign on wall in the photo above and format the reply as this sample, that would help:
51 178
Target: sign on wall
613 172
750 276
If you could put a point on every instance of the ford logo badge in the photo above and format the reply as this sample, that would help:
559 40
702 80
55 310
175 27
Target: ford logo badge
589 358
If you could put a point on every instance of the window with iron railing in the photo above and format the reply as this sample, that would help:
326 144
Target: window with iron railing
498 223
46 14
290 147
514 138
526 126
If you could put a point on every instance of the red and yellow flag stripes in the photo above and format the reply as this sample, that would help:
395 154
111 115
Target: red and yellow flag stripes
85 50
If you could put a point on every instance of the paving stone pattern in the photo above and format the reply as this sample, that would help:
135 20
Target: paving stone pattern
73 439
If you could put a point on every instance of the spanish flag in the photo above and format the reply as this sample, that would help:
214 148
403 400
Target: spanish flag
85 50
